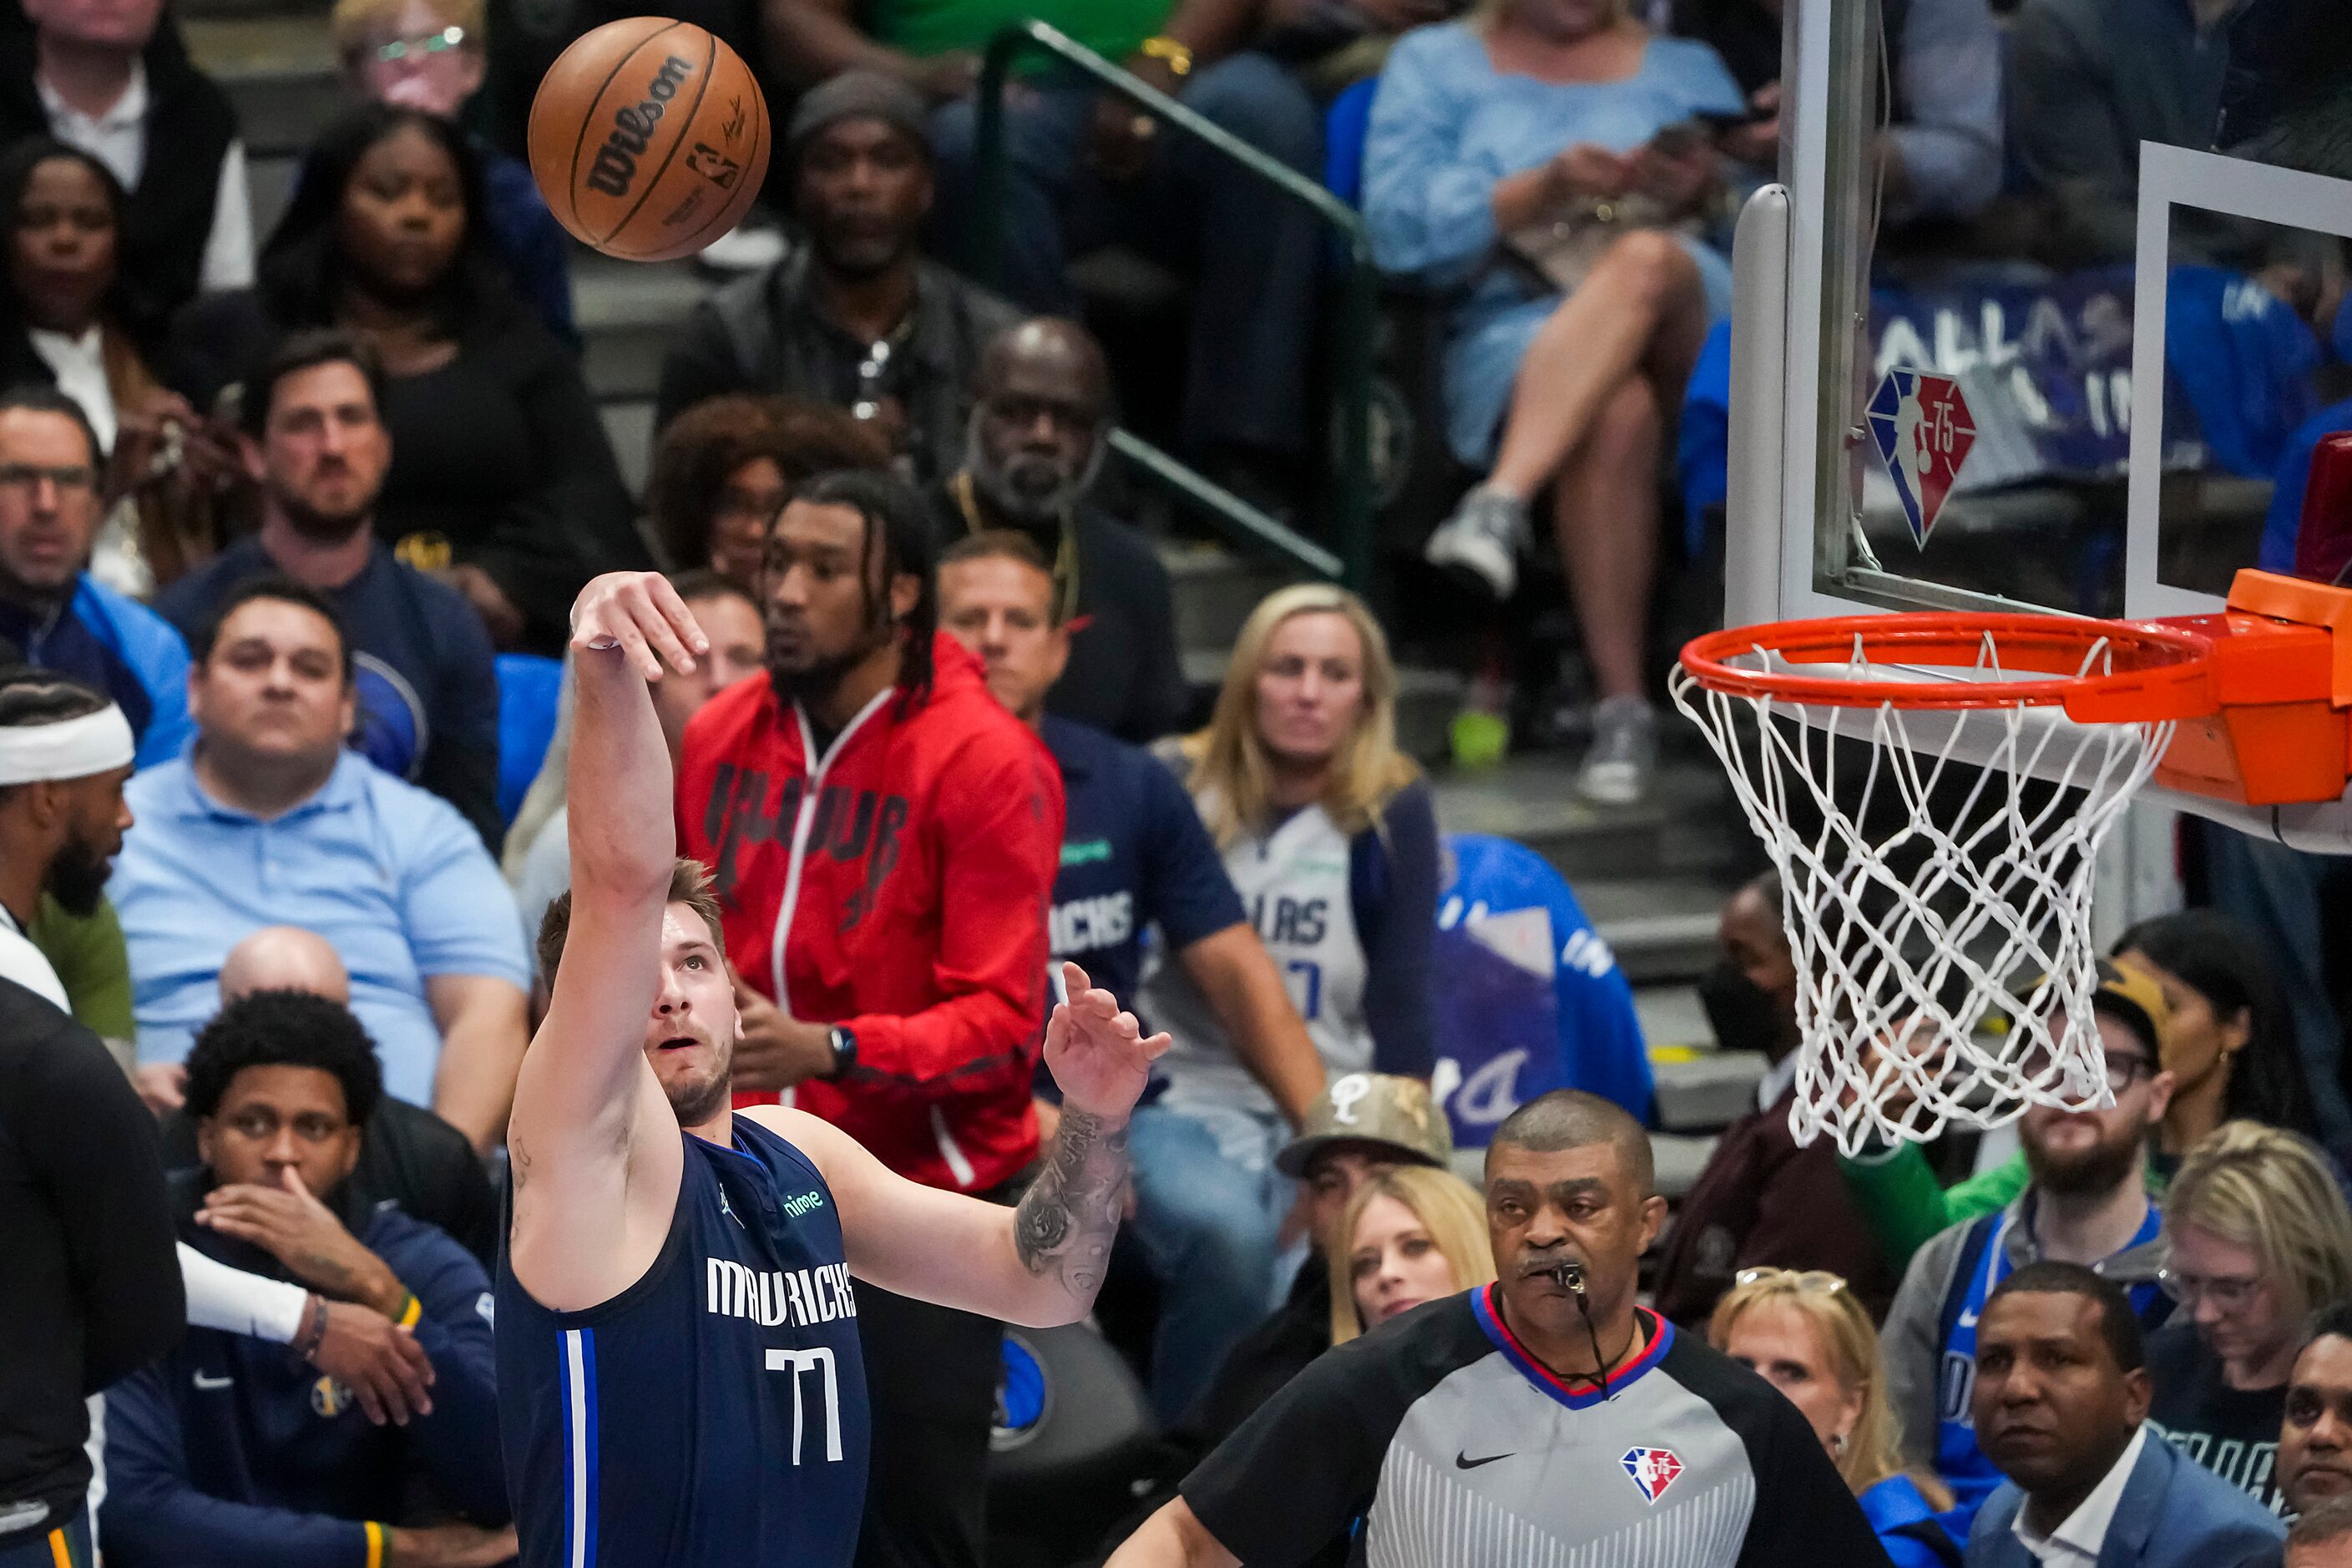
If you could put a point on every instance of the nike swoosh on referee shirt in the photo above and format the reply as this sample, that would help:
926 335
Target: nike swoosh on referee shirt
1462 1461
212 1383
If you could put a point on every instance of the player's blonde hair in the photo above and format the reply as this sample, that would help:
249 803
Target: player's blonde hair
2272 1192
1229 770
689 884
1448 1207
1849 1358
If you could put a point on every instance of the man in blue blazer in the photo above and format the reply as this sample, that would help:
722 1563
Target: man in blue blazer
2060 1406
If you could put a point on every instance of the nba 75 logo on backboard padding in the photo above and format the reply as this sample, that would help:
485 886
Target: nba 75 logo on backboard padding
1653 1470
1921 425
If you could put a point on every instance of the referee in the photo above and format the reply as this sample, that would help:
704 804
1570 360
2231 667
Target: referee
1543 1418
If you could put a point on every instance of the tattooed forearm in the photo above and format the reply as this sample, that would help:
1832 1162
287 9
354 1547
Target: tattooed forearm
1065 1221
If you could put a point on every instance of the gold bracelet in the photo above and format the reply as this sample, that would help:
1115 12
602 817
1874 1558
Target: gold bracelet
1178 57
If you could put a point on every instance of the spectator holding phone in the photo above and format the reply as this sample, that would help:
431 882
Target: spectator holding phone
1940 151
1543 160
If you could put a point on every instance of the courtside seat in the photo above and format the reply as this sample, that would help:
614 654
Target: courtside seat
1073 1428
530 687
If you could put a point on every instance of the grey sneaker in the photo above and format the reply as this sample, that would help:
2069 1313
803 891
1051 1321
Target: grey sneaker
1483 539
1624 752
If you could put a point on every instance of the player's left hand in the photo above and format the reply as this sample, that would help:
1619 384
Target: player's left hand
304 1234
1097 1053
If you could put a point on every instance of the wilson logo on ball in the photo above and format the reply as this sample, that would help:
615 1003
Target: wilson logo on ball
615 168
648 138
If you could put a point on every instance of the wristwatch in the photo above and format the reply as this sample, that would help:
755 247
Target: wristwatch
845 1050
1176 56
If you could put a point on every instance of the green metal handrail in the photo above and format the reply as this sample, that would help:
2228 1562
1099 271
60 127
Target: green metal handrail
1351 564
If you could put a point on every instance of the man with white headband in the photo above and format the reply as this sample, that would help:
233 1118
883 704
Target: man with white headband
90 1290
65 753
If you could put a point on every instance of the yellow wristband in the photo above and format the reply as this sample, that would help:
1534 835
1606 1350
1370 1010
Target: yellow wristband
375 1544
1177 57
411 1310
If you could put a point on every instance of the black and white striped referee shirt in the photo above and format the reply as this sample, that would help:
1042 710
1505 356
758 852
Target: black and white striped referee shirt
1436 1441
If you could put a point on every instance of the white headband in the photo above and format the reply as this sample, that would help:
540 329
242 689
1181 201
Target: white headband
69 749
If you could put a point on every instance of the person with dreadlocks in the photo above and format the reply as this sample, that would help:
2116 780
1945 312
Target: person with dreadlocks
883 838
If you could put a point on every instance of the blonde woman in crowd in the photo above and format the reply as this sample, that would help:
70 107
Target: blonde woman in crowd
1412 1235
1809 1336
1328 832
2261 1238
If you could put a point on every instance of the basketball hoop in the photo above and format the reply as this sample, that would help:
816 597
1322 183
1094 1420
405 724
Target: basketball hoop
1934 789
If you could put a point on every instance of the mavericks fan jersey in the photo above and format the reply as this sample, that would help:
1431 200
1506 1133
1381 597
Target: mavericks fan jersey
715 1411
1293 884
1437 1439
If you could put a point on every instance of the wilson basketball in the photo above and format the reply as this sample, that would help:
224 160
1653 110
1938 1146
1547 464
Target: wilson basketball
648 138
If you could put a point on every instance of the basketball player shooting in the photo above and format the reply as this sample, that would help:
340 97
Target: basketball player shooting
678 1368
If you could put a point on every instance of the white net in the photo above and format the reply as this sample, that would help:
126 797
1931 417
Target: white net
1936 871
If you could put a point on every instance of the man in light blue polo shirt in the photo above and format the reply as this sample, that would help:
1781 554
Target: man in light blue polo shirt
270 820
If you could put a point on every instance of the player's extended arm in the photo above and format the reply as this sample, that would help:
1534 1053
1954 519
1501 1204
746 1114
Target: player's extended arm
485 1024
1232 971
597 1159
1040 1263
1173 1538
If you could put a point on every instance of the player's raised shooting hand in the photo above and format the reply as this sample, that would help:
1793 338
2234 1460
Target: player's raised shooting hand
1097 1053
639 614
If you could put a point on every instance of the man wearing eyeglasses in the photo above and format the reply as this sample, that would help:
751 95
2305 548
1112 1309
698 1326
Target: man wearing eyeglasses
2087 1203
230 1449
57 615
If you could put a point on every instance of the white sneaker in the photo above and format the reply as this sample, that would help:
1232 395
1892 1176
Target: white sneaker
744 249
1624 753
1483 539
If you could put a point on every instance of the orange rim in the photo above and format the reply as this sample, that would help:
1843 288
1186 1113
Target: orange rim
2150 672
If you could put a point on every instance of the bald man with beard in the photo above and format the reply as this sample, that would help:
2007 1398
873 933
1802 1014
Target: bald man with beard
1039 430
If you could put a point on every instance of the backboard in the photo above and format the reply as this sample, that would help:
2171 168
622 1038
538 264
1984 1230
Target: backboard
2083 402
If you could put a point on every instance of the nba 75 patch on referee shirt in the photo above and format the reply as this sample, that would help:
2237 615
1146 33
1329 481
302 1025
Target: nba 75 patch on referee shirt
1653 1470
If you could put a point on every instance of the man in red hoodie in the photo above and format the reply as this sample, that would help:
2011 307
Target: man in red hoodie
883 838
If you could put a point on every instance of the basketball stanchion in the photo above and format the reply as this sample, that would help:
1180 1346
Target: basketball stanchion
1933 789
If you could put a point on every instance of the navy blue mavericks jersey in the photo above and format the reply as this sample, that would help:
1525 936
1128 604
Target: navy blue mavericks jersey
715 1411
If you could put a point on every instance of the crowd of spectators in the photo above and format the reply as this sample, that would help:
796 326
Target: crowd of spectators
282 515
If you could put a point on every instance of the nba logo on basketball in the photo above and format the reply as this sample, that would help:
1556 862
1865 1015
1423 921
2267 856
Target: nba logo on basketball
1653 1470
1923 430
